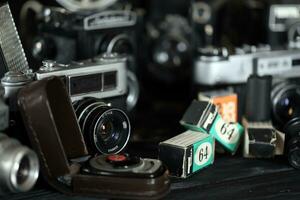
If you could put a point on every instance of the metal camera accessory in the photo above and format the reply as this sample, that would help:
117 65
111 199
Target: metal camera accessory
236 68
282 24
106 129
261 139
12 82
4 111
110 19
203 116
122 165
12 56
281 15
19 166
76 5
101 77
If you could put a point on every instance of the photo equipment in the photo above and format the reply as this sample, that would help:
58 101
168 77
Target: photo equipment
51 124
105 128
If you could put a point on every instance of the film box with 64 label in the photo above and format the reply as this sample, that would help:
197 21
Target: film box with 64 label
203 116
187 153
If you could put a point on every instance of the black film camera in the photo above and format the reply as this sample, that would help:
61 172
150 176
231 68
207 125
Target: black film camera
66 36
283 23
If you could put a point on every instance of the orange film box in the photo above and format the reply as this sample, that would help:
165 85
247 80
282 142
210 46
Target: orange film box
226 102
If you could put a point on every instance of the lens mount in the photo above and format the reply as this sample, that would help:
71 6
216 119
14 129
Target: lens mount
105 129
118 136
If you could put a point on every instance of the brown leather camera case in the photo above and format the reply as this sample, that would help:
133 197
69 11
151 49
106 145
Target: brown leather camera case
56 137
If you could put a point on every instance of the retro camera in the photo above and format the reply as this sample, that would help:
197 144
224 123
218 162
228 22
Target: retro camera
212 65
73 34
97 88
64 36
283 23
52 124
19 165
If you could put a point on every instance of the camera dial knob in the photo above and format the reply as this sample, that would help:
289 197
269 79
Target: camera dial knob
15 78
109 57
51 65
12 82
213 54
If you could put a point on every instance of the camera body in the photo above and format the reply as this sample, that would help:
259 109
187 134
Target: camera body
98 90
214 66
66 36
283 20
101 77
52 124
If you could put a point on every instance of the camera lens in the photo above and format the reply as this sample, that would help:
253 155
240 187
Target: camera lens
19 166
119 43
294 152
286 103
23 171
105 129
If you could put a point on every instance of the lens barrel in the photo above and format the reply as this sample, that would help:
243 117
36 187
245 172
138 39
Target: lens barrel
19 166
105 129
285 102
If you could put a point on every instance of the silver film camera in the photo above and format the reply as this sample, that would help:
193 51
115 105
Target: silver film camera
19 165
101 77
214 66
98 90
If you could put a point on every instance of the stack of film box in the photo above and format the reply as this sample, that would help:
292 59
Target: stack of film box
194 149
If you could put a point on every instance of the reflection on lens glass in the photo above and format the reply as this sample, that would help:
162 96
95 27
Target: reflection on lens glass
106 130
288 106
23 171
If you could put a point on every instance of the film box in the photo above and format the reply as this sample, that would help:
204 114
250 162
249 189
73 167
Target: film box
203 116
226 102
187 153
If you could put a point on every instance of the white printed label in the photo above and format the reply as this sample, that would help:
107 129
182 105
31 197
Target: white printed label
209 120
203 153
227 132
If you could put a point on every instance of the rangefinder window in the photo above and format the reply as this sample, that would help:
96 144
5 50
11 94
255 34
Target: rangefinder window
85 84
110 80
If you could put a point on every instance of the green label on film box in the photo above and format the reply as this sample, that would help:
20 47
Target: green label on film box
203 116
203 153
228 134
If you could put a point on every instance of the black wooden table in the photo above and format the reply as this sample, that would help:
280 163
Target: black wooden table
231 177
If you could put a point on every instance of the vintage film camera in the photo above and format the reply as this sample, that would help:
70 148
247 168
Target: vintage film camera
69 34
65 36
19 165
97 88
214 66
51 124
283 20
